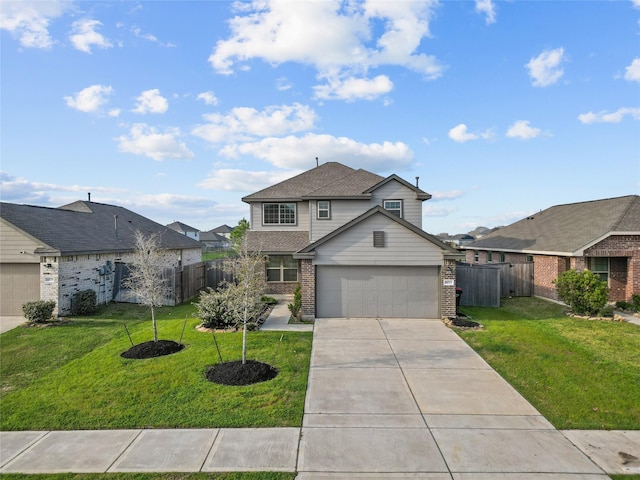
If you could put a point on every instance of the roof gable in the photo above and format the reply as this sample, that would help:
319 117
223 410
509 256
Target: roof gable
88 227
378 210
566 229
420 194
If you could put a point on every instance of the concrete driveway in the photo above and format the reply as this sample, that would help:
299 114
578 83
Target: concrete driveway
410 399
8 323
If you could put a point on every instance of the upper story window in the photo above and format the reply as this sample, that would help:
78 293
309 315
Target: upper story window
394 206
324 209
279 213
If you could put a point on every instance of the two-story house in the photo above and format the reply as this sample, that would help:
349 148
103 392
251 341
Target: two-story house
354 242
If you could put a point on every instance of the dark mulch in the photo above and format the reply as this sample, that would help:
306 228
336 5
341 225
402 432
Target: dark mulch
236 373
463 322
152 349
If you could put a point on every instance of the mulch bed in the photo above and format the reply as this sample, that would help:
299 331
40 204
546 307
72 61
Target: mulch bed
152 349
236 373
462 322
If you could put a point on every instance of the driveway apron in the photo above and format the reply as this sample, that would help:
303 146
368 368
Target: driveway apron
407 398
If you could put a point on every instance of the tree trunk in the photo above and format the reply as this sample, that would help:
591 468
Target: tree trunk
155 326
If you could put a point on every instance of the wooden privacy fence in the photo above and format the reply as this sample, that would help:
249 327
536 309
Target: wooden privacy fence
485 285
216 273
189 280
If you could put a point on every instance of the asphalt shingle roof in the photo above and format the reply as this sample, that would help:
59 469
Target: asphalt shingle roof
566 228
329 179
88 227
276 242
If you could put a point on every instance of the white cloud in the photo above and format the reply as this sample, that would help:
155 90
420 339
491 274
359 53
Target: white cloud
546 69
354 88
632 72
208 98
341 39
85 35
460 133
245 123
147 141
299 152
235 180
447 195
283 84
614 117
29 20
636 3
522 129
150 101
488 8
90 99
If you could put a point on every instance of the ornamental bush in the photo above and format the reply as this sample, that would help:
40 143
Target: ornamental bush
39 311
296 305
84 303
583 291
213 309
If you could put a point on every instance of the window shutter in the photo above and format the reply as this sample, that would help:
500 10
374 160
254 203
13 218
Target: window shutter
378 238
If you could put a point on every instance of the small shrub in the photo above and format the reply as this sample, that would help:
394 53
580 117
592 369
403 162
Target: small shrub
268 300
584 291
85 303
39 311
635 300
213 309
624 306
606 311
296 305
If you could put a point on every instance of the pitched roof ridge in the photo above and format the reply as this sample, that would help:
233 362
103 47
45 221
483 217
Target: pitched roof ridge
632 201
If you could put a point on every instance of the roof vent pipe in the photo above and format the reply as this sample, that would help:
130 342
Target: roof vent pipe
417 181
317 163
89 195
115 224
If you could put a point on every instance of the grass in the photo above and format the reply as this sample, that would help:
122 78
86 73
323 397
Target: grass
580 374
72 376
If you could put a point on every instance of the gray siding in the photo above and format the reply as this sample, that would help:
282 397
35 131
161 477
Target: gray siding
412 207
13 241
355 246
342 211
302 218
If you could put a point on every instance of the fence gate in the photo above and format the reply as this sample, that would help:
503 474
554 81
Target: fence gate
484 285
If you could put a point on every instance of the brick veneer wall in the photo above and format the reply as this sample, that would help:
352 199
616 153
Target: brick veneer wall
448 293
62 277
308 284
624 251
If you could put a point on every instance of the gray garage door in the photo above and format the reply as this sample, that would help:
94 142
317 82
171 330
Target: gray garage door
19 283
369 292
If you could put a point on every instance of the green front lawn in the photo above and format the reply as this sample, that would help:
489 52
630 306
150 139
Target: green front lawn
580 374
72 376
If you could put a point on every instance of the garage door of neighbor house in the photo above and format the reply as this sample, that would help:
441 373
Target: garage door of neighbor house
375 291
19 283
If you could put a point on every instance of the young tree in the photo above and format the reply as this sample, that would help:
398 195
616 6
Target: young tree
245 291
237 234
145 280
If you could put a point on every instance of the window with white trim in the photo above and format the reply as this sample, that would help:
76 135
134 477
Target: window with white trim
393 206
282 268
323 208
279 213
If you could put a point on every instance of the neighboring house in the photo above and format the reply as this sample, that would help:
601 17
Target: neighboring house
458 240
602 236
185 229
53 253
354 242
214 241
224 230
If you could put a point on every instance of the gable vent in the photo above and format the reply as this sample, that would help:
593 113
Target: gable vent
378 238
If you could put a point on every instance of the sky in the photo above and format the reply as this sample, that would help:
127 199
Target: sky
178 109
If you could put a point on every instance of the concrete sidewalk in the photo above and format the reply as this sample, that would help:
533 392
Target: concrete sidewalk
386 399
